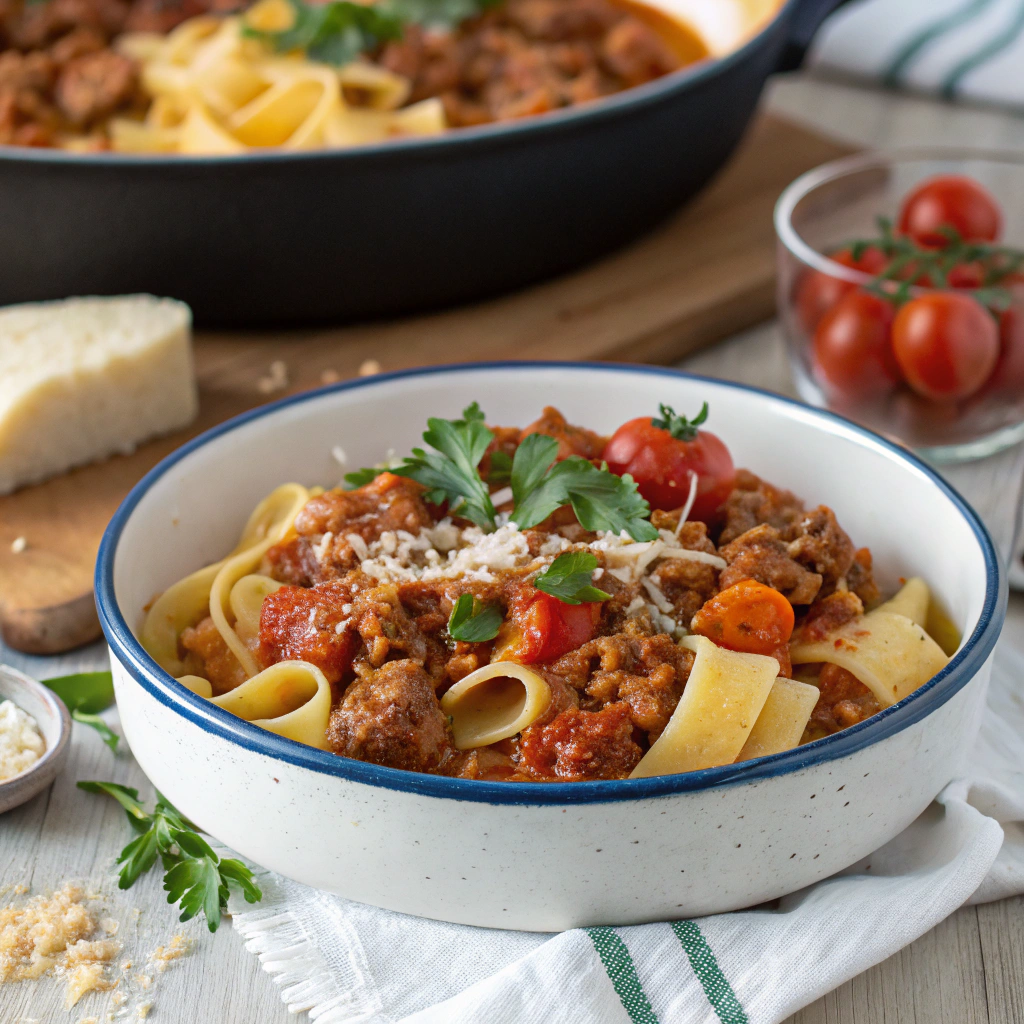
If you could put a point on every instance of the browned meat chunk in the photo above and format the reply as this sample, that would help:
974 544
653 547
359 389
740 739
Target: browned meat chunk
754 502
300 624
822 546
571 440
393 718
844 701
687 584
827 614
648 673
387 503
860 579
208 656
581 745
760 554
635 54
94 85
386 629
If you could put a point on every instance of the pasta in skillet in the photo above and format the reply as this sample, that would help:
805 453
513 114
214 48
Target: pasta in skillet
509 606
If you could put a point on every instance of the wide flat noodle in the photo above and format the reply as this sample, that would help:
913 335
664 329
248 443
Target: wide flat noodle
494 703
911 600
186 601
721 702
782 720
218 92
890 654
291 699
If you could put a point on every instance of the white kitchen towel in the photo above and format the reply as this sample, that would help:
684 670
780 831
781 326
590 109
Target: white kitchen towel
960 49
347 963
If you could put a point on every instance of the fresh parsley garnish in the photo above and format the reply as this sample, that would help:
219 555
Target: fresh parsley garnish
337 32
88 692
540 485
95 722
601 499
570 578
334 33
500 469
361 477
195 877
473 621
678 426
450 472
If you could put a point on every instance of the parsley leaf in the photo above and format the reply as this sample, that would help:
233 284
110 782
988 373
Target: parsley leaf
570 578
500 471
334 33
450 473
196 878
678 426
95 722
600 499
473 621
361 477
85 691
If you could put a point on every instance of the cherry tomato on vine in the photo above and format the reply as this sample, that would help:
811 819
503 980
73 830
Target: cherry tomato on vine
852 351
946 344
1008 376
663 454
966 276
818 292
952 201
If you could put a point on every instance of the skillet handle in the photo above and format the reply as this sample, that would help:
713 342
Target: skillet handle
807 18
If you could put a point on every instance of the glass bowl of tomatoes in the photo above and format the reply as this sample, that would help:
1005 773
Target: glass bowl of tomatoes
901 295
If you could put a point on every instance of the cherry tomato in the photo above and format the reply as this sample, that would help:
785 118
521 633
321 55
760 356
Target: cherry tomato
953 201
946 344
1007 378
662 455
966 275
852 350
818 292
542 628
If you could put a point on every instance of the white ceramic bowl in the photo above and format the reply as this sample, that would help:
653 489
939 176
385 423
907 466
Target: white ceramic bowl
558 855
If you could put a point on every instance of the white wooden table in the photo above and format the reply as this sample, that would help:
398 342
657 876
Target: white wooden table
969 970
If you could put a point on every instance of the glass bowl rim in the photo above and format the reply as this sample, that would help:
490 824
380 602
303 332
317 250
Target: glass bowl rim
826 173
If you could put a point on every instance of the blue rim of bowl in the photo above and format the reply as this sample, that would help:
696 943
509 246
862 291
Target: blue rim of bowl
212 719
552 121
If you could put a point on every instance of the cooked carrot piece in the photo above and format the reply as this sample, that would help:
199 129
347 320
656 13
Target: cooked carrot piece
748 616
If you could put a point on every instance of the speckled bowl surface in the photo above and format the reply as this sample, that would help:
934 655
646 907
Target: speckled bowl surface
54 723
549 856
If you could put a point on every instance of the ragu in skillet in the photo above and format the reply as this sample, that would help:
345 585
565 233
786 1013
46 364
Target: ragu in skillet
215 77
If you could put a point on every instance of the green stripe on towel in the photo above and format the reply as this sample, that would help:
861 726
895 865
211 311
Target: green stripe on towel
995 46
938 28
622 973
709 974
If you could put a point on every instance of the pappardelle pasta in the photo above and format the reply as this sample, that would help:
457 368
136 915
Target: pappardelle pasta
546 604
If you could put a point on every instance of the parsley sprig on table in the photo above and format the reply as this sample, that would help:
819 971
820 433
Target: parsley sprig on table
85 694
540 484
195 877
570 578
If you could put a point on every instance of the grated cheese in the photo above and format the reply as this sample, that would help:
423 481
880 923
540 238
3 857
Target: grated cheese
691 498
21 744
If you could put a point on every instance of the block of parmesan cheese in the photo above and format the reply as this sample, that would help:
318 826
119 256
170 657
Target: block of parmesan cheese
82 379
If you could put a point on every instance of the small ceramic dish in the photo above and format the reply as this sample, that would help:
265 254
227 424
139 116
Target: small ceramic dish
54 723
549 856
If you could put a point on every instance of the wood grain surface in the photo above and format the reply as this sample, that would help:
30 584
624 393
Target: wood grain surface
703 275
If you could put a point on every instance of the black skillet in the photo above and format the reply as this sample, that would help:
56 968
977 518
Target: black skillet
332 236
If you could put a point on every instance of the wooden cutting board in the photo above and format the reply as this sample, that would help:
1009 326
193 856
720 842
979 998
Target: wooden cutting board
706 273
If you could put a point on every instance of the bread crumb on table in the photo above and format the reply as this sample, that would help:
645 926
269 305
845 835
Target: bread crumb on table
54 933
369 368
19 544
163 956
276 379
